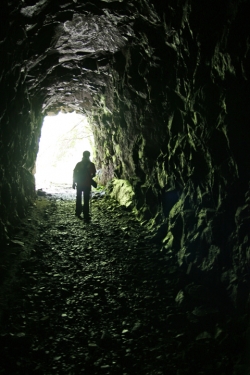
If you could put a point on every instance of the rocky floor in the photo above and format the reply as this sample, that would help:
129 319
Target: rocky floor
101 298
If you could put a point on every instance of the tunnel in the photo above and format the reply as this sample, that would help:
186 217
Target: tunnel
165 88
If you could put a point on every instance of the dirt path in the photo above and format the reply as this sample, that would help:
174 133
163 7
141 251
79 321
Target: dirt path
99 298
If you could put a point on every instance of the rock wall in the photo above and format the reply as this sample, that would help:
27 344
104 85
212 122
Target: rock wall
20 127
177 128
166 86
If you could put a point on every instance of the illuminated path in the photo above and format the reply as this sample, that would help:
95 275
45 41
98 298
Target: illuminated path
98 299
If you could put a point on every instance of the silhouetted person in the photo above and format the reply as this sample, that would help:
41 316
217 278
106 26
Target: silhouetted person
82 176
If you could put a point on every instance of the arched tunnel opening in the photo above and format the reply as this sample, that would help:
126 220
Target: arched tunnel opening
64 137
158 281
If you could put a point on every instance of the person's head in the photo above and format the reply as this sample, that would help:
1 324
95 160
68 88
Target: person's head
86 155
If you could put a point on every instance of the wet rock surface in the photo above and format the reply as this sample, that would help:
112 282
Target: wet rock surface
101 298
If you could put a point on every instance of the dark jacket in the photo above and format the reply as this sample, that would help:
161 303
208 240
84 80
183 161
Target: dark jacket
83 173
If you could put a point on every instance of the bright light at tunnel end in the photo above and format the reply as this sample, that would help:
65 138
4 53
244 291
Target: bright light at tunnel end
64 137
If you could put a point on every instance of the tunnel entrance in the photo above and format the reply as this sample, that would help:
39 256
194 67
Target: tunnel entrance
64 137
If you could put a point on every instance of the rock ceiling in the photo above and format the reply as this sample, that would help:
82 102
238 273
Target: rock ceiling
71 46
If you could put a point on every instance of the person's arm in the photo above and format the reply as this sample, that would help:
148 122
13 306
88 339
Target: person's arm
74 177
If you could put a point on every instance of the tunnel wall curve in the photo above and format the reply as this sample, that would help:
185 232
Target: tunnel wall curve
171 117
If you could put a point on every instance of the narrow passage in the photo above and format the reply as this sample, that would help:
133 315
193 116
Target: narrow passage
99 298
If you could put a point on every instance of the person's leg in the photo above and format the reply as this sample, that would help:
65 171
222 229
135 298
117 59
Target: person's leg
86 194
78 200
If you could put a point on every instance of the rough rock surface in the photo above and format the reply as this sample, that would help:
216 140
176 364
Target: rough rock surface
166 88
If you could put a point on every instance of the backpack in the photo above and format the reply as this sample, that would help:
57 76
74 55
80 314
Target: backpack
82 171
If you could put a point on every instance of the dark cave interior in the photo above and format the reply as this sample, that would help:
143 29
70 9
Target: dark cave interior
165 86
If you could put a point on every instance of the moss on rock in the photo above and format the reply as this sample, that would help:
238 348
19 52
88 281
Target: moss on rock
123 192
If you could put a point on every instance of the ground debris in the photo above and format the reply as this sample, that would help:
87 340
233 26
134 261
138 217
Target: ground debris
98 298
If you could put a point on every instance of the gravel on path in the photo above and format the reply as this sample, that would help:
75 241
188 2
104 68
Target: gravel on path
101 298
